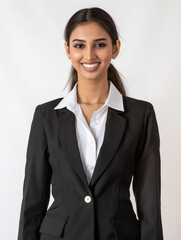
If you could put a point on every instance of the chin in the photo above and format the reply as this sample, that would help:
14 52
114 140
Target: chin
91 76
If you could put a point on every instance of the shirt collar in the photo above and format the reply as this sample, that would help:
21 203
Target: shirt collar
114 99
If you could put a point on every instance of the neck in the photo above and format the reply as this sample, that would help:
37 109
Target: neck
92 92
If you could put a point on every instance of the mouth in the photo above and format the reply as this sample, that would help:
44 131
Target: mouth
91 66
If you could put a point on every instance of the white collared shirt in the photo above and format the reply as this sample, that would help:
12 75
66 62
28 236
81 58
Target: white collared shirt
91 138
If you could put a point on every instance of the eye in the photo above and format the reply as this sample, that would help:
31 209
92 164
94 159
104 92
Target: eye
101 44
78 46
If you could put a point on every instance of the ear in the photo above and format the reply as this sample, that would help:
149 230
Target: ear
67 49
116 49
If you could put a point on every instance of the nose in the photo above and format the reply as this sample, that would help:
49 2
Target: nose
90 53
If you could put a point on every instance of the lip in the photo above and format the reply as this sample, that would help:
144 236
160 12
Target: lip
89 62
90 69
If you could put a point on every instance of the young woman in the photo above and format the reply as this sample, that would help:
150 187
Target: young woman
89 145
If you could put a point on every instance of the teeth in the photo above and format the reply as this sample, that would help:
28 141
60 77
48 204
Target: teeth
90 65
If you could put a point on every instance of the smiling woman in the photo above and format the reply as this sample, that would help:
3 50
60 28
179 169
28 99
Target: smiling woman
99 47
88 145
95 54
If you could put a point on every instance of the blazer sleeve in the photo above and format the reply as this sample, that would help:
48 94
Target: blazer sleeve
36 186
147 179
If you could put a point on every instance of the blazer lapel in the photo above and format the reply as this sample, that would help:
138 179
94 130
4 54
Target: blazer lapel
114 130
68 140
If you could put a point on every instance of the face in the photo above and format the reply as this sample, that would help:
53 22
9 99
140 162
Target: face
90 50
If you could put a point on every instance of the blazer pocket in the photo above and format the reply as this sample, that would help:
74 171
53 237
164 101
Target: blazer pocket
126 227
53 225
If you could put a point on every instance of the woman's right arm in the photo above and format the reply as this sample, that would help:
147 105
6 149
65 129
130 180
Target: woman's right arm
36 187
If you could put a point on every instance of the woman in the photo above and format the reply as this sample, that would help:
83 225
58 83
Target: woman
89 145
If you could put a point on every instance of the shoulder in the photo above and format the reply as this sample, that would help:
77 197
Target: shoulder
136 106
49 106
135 102
51 103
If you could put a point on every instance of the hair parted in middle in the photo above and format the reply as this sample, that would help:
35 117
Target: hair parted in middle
100 16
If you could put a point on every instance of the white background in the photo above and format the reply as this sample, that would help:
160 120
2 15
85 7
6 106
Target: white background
34 69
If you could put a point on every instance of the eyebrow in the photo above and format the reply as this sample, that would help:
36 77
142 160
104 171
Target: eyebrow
95 40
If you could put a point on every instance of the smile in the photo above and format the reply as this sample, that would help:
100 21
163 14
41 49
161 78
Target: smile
90 67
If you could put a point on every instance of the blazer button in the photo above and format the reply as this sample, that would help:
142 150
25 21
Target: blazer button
87 199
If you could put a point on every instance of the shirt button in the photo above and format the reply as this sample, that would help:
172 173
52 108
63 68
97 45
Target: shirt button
87 199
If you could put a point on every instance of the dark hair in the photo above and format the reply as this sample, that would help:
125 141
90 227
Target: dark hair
105 20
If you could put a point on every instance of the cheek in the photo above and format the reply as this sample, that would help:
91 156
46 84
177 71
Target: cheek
106 59
106 56
76 55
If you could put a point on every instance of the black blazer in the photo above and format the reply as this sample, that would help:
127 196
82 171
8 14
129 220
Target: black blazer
101 210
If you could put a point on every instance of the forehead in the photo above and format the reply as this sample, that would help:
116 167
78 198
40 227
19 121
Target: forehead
83 31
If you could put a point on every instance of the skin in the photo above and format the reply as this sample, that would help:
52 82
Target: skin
93 87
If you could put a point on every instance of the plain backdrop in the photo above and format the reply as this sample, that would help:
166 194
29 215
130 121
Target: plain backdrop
34 69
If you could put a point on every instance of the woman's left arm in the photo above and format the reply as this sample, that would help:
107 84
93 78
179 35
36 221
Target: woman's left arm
147 179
